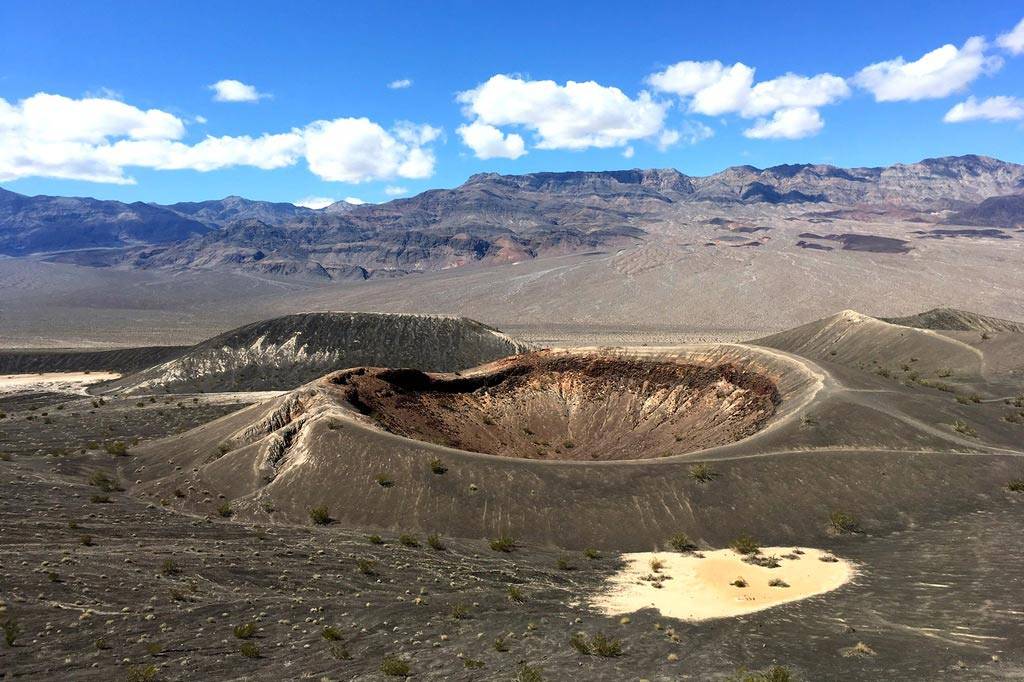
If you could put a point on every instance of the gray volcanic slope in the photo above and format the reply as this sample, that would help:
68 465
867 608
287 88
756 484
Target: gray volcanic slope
288 351
951 319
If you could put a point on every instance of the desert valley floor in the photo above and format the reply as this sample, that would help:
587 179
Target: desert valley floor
840 500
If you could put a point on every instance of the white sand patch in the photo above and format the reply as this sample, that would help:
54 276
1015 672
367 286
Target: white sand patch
694 588
61 382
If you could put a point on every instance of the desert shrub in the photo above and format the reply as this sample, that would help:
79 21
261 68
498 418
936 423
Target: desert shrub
385 481
739 582
11 631
375 539
141 673
435 542
437 466
529 674
103 482
366 566
225 510
179 493
340 652
591 553
598 645
245 631
53 576
408 540
249 650
763 561
500 645
515 594
154 648
100 499
843 523
395 667
331 633
170 568
472 663
459 611
563 564
657 564
503 543
319 516
777 582
680 542
702 473
116 448
745 544
963 400
963 428
86 540
1016 485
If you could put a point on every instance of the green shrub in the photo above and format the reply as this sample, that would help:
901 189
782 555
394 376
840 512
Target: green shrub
529 674
563 564
331 634
681 542
366 566
702 473
500 645
408 540
503 543
739 582
116 448
385 481
141 673
745 544
103 482
395 667
459 611
100 499
515 594
340 652
319 516
245 631
843 523
598 645
86 540
170 568
963 428
591 553
435 542
11 631
1016 485
437 466
375 539
225 510
249 650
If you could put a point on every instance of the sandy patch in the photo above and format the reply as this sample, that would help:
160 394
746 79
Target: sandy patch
694 588
61 382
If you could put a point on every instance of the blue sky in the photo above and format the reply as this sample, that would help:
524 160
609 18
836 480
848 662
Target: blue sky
128 101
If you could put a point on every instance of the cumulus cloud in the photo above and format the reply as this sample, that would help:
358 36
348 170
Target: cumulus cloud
939 73
788 124
395 191
230 90
573 116
488 142
400 84
1013 42
314 202
712 88
1000 108
97 139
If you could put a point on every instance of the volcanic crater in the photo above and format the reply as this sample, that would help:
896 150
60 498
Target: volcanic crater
569 406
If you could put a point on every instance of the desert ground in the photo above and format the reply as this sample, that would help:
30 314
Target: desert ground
838 500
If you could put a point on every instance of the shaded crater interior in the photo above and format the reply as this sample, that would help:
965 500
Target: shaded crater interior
569 406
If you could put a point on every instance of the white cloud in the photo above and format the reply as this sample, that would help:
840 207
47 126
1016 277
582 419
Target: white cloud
97 140
998 108
789 124
355 201
628 152
939 73
230 90
400 84
395 191
572 116
358 150
488 142
713 89
314 202
201 120
1013 42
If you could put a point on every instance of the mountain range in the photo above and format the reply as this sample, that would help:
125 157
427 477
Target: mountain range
495 218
